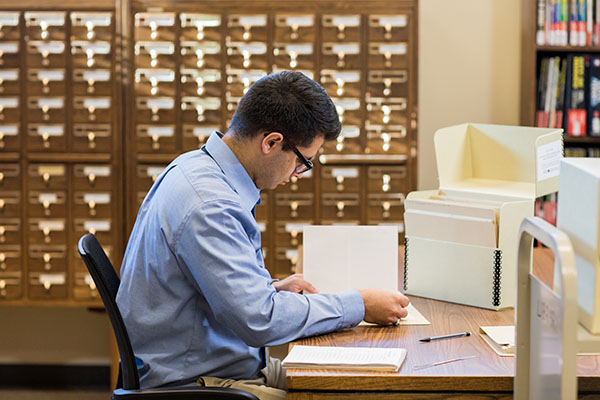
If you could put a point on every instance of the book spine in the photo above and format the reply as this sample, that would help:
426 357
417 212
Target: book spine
541 93
574 23
589 23
594 97
540 37
576 118
560 101
497 283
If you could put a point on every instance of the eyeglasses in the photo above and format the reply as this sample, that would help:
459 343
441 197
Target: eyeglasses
305 164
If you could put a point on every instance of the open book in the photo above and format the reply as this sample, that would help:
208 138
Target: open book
367 358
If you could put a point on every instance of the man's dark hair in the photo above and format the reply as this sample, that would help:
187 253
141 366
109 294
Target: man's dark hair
288 102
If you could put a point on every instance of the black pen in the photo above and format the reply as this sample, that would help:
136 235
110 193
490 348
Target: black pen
429 339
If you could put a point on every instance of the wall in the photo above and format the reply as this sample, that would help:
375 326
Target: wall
469 69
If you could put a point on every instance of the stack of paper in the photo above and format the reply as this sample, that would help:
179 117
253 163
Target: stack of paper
369 358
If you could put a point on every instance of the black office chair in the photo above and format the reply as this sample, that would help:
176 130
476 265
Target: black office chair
128 386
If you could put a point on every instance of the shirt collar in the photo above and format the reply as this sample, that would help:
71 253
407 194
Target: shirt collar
233 169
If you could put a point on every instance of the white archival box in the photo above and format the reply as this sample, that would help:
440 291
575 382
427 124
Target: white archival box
579 217
469 257
339 257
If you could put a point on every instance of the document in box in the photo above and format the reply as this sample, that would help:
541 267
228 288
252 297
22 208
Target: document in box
338 258
368 358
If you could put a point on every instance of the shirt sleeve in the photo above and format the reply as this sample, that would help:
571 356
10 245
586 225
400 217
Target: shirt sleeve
215 250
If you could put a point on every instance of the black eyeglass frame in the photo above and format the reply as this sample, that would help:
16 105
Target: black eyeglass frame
306 164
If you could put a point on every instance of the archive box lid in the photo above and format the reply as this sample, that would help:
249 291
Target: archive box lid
513 161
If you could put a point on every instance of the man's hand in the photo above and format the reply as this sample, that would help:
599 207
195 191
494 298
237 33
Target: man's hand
383 307
295 283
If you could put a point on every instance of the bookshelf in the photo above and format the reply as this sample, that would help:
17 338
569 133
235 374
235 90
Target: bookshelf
531 58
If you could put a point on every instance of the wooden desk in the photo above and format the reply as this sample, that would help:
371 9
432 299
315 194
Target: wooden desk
488 376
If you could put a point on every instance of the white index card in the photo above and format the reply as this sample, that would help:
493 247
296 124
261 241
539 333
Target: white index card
337 258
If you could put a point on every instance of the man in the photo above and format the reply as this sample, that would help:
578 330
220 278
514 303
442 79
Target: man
197 300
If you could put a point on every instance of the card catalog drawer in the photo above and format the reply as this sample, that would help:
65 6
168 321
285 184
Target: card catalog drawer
154 54
46 54
10 231
10 258
200 27
385 207
47 231
386 139
92 109
341 83
47 176
10 138
45 25
92 137
349 110
393 27
341 55
10 177
93 204
89 176
46 109
46 286
198 55
11 287
96 81
196 82
387 83
388 55
41 82
9 110
195 136
388 179
238 83
340 179
96 54
341 28
9 54
9 25
9 82
156 138
92 26
289 233
286 260
84 287
47 258
47 204
295 28
251 27
46 137
304 184
342 206
201 109
155 109
10 204
101 228
155 81
294 55
294 206
386 110
155 26
348 141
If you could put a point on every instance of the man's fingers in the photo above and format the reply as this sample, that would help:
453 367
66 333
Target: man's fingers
403 313
308 287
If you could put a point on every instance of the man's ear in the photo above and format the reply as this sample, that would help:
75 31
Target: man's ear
270 141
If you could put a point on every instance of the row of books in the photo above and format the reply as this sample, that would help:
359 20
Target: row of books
568 22
568 94
545 207
582 152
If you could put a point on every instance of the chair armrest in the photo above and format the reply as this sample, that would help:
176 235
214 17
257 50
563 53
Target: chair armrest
191 393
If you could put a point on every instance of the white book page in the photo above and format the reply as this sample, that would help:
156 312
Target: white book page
344 357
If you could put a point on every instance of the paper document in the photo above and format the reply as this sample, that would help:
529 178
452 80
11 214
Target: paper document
500 338
414 317
368 358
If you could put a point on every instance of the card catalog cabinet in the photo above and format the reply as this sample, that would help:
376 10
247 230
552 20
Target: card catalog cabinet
96 99
60 147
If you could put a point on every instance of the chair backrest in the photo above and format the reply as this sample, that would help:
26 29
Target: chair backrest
107 283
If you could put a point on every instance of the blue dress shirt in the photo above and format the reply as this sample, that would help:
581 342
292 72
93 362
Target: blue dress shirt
195 295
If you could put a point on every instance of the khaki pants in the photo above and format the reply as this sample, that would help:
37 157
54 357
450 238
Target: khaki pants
269 386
